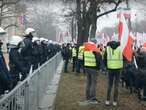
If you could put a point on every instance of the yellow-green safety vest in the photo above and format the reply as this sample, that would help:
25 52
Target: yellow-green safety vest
89 59
74 52
114 58
80 53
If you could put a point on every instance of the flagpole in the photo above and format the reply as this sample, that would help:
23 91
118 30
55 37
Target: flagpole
134 58
135 63
130 28
129 19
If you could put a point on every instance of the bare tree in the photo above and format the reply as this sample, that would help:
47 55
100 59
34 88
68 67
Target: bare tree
8 10
88 12
39 17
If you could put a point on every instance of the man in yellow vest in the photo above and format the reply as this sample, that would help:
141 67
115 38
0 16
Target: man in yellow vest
74 57
92 62
80 59
114 62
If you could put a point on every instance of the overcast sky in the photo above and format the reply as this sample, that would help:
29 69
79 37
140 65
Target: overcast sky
138 13
55 9
47 17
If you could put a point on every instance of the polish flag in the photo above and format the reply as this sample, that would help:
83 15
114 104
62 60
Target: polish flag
126 38
120 26
123 32
128 50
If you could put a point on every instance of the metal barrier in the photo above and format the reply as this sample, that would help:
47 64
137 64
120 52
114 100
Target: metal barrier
27 94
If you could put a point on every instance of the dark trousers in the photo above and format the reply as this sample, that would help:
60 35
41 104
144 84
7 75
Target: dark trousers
141 83
15 79
79 65
66 61
74 59
91 83
35 66
144 92
113 77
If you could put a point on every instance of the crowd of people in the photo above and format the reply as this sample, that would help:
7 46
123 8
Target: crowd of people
93 58
24 52
89 58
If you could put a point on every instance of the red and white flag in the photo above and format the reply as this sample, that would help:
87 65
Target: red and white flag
120 26
128 50
126 39
123 32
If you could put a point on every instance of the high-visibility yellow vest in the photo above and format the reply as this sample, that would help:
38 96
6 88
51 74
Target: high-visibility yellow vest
89 59
74 52
80 52
114 58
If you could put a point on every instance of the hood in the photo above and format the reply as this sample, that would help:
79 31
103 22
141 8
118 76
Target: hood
113 44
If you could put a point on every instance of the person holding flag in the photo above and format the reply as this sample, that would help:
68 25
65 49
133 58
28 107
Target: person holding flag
113 59
92 63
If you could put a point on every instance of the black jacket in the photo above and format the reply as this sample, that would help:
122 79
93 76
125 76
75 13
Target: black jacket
141 60
16 62
28 46
66 53
5 78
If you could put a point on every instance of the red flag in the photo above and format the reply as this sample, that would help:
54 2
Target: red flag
124 33
90 46
126 38
120 26
144 45
120 29
128 50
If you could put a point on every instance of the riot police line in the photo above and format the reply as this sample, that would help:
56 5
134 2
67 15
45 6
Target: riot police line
24 52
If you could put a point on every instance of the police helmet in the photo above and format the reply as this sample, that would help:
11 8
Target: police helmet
29 30
2 31
15 40
35 39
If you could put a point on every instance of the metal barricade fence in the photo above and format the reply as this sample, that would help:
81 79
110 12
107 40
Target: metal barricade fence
27 94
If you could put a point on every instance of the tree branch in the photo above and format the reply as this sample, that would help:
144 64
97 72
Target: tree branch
110 11
5 17
10 3
10 25
7 12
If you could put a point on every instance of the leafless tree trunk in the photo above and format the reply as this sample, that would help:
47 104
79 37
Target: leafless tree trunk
7 10
88 18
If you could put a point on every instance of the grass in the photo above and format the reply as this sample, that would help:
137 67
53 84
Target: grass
72 90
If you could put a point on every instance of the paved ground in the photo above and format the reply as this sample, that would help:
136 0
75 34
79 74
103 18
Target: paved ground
71 91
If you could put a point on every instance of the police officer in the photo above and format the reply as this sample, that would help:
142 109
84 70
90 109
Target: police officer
44 47
5 79
74 57
114 64
26 51
35 53
16 63
50 49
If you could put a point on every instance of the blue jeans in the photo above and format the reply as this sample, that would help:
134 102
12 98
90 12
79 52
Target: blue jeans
91 83
113 77
79 65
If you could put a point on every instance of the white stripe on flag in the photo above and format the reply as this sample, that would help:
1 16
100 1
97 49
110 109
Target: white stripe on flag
125 33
